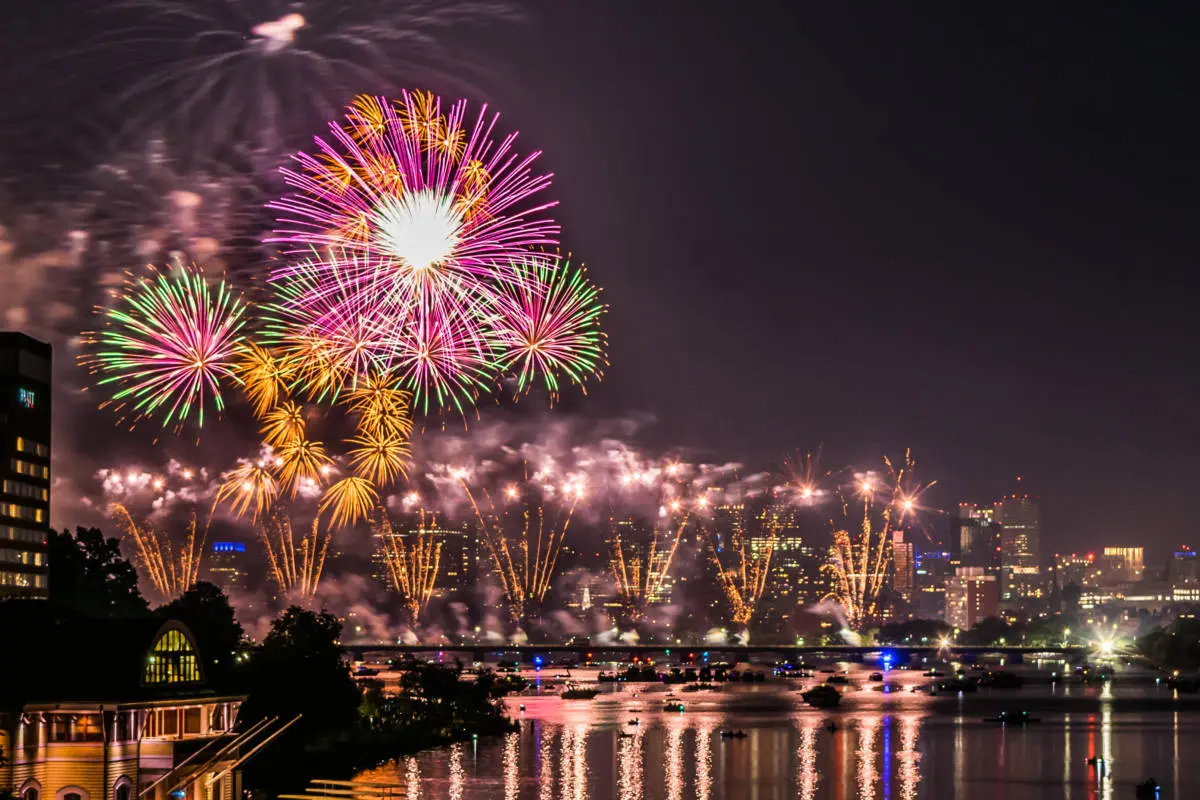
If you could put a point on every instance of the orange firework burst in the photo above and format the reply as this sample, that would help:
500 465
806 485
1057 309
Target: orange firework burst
283 424
859 559
264 377
301 460
296 566
171 572
349 501
250 484
413 560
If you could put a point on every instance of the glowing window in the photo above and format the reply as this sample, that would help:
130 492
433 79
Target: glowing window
172 659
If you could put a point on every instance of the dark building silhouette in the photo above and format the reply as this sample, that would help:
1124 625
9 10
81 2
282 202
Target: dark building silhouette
25 365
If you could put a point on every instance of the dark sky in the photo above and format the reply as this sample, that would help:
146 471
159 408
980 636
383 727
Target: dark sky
876 226
969 232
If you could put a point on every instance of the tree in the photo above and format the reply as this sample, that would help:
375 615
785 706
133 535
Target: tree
991 630
298 669
88 574
205 609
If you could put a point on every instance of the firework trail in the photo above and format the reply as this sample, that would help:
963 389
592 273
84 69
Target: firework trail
861 552
744 581
523 544
167 346
641 568
170 572
413 561
349 501
264 73
252 483
296 567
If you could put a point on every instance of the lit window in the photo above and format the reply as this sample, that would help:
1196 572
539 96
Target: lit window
172 659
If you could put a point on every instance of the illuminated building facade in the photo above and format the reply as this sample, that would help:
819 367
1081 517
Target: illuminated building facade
903 566
971 595
1123 565
25 366
125 725
976 539
1077 568
1183 569
932 568
1020 522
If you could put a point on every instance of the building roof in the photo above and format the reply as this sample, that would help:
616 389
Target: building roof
53 658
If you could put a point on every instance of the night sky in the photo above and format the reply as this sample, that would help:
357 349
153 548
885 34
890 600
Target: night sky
871 227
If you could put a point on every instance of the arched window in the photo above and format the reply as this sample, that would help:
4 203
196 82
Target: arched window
71 793
32 790
123 789
172 659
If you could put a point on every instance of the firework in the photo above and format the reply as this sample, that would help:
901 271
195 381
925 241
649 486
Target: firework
551 325
861 553
381 406
349 500
379 455
283 425
171 572
301 460
263 73
296 567
250 484
167 345
641 568
523 543
264 377
744 581
413 560
417 222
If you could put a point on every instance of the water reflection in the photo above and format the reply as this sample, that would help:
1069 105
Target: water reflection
878 749
806 758
703 762
868 777
629 763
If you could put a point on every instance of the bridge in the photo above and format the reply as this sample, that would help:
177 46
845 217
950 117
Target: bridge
900 654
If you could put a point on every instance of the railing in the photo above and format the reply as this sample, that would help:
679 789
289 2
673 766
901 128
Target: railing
320 789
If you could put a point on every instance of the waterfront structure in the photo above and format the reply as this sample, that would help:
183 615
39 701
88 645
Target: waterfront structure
971 595
133 718
25 406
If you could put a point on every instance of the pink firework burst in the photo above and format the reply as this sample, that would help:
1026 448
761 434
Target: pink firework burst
416 219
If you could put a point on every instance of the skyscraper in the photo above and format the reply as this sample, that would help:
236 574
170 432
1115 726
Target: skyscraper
903 566
976 538
227 565
1020 531
25 365
1183 569
971 595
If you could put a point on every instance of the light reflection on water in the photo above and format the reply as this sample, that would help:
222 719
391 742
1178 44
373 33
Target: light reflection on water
905 746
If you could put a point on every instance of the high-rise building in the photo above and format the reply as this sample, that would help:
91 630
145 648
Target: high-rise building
227 565
1183 569
1020 531
932 568
1077 568
25 365
971 595
1122 565
975 538
903 566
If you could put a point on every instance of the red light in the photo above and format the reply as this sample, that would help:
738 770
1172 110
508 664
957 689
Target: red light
1091 556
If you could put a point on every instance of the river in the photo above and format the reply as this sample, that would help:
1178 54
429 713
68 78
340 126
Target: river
881 745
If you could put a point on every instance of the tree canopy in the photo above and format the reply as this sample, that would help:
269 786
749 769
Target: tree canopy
205 609
88 574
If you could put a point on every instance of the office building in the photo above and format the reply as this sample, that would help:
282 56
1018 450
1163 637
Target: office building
1076 568
1182 569
931 570
971 595
903 566
1020 531
1122 565
975 540
25 367
227 566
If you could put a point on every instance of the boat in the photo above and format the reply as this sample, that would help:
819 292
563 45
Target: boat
955 685
733 734
676 706
838 679
1147 790
933 673
1019 718
823 696
876 676
1184 685
1001 680
634 722
576 692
